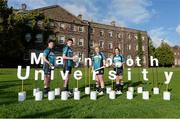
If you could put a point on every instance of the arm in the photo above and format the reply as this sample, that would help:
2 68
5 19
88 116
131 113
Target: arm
65 50
45 60
45 54
69 58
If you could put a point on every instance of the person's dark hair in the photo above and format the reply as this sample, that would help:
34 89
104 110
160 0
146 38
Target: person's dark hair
69 39
117 48
50 40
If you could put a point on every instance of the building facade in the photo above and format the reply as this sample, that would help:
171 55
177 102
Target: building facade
110 36
86 34
176 50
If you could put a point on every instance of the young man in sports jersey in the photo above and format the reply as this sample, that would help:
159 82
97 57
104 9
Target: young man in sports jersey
118 61
68 62
99 61
49 61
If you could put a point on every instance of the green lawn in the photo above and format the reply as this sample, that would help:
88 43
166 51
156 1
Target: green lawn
102 107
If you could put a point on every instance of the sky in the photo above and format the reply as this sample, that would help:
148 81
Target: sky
160 18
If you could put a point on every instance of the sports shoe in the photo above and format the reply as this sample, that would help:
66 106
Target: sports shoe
69 94
46 90
118 92
101 93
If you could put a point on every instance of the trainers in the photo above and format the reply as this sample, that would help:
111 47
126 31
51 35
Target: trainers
69 94
118 92
46 90
101 93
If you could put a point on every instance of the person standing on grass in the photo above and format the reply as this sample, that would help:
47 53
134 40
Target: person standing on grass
48 65
118 64
68 62
99 61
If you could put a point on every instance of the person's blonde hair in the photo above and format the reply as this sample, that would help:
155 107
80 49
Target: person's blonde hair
96 46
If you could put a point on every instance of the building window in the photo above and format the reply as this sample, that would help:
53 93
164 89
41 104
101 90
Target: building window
143 49
28 37
92 43
51 37
92 30
81 56
62 25
40 23
110 33
81 42
144 59
61 39
175 61
178 61
73 27
81 29
74 41
129 36
129 47
143 38
136 37
101 33
119 35
39 38
51 24
29 23
110 45
136 47
101 44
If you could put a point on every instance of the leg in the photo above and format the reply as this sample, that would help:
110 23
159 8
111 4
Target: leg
117 82
66 81
121 82
46 85
66 86
47 81
97 83
101 81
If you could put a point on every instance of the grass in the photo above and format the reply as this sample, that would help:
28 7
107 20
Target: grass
102 107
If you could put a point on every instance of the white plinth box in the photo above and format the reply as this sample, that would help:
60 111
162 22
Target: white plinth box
112 94
38 96
21 96
93 95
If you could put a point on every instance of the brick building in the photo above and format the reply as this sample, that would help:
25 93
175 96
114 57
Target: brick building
86 34
176 50
111 36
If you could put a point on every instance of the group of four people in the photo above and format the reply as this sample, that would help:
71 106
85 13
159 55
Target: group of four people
98 65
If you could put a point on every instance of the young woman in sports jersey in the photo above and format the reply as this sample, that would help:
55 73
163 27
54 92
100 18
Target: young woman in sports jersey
99 61
118 64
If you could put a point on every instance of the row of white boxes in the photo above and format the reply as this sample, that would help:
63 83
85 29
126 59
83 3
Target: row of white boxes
93 94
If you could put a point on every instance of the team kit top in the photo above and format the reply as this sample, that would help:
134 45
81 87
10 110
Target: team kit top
97 60
67 51
49 54
118 58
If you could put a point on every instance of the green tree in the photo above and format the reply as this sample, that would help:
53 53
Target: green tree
151 49
13 27
164 54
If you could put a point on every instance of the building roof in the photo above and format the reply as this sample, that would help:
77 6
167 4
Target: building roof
56 12
111 27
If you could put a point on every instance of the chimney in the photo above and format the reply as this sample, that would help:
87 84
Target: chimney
80 16
113 23
24 6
